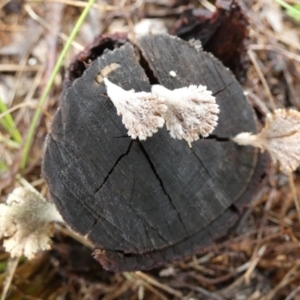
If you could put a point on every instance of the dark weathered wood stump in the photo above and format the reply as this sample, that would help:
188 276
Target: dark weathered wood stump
144 204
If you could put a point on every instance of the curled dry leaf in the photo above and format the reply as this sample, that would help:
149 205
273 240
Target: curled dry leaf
25 222
280 136
192 111
141 111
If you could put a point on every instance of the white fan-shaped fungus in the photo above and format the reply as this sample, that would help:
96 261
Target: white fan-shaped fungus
192 111
26 222
141 111
280 136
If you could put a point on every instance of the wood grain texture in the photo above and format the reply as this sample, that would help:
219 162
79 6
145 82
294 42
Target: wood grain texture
147 203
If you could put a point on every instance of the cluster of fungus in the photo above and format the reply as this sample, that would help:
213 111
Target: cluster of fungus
188 112
280 137
26 221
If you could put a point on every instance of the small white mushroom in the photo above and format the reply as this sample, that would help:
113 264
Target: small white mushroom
141 111
192 111
172 73
280 136
26 222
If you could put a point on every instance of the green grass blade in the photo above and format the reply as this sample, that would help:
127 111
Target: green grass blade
294 14
9 124
3 166
37 114
291 9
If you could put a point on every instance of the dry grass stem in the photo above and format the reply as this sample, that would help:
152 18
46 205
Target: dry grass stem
279 50
254 263
17 68
48 26
154 282
101 7
295 195
30 104
253 59
74 235
289 277
11 269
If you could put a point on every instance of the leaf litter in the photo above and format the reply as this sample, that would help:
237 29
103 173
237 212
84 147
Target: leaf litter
259 259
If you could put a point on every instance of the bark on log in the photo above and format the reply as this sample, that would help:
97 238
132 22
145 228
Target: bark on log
147 203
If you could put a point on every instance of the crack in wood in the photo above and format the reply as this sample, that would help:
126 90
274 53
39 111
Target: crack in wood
147 69
122 136
145 221
217 138
223 89
235 209
113 167
161 183
201 163
92 227
140 218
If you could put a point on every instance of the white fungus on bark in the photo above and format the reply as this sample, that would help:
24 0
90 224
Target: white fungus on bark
26 222
192 111
141 111
280 136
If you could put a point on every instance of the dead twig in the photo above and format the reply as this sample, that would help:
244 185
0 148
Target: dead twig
262 78
294 193
164 287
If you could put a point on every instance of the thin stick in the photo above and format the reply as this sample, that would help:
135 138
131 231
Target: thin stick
254 263
276 49
21 116
47 89
159 285
208 5
74 235
102 7
261 77
11 268
23 64
31 104
288 278
17 68
294 193
139 282
48 26
293 294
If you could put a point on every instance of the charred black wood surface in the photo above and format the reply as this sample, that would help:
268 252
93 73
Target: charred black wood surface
144 204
